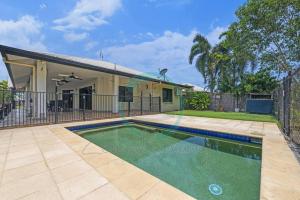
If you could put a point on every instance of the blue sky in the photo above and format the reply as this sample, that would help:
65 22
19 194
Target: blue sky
142 34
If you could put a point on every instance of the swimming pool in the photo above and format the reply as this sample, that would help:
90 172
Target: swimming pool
205 167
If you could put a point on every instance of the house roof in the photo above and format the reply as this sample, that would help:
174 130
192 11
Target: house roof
83 63
195 87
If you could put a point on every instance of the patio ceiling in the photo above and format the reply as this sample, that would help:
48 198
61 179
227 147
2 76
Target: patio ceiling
86 75
20 69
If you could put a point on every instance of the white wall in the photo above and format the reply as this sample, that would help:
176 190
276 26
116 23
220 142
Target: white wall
104 88
167 106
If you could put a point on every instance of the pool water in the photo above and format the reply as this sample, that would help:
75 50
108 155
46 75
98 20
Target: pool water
203 167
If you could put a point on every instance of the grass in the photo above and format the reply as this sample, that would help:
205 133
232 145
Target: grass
227 115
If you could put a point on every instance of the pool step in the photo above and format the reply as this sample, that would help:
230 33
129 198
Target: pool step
151 129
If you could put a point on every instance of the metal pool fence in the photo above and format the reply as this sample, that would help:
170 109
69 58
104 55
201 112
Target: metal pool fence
23 108
287 105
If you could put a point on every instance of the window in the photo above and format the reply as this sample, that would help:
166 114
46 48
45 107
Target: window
125 94
167 95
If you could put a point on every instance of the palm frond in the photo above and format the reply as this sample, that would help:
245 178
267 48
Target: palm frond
202 41
201 64
195 50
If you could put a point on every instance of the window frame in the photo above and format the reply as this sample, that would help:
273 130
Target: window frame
127 95
167 95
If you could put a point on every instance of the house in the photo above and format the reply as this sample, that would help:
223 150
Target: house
196 88
49 82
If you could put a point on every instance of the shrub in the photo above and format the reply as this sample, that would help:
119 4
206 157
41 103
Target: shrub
198 101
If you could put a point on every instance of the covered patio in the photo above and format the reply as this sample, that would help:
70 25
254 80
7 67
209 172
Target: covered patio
52 88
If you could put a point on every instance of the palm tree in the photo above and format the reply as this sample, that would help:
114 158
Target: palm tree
206 63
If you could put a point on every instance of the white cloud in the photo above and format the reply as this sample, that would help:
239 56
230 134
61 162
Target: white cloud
144 36
170 50
90 45
23 33
88 14
43 6
213 36
74 37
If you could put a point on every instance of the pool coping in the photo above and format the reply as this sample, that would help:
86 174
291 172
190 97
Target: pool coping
194 131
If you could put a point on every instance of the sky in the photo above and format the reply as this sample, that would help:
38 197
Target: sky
145 35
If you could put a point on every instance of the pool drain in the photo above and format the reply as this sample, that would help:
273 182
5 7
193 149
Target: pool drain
215 189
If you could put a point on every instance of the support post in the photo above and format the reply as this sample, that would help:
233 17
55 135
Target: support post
3 107
56 105
159 104
41 88
288 103
116 93
128 107
141 103
150 102
83 107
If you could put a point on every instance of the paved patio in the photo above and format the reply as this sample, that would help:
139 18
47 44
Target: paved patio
50 162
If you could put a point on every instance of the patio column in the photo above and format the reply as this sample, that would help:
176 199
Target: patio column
30 97
33 99
41 82
115 93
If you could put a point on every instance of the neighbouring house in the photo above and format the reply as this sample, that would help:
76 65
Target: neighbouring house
66 83
196 88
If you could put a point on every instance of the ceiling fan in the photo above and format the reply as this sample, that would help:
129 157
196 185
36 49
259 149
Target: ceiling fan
64 80
58 81
71 76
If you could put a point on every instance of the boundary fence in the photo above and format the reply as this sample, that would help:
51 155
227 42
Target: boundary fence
287 105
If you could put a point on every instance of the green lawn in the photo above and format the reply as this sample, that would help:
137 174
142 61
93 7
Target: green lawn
227 115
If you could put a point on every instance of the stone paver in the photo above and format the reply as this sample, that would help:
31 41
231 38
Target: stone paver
14 163
18 173
50 162
107 192
81 185
70 170
115 169
163 191
136 183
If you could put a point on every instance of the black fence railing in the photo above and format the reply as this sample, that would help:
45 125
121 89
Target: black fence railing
287 105
22 108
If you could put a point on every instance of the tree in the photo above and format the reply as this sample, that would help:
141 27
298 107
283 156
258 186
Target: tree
234 65
197 101
4 85
270 30
4 93
259 82
221 66
205 63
